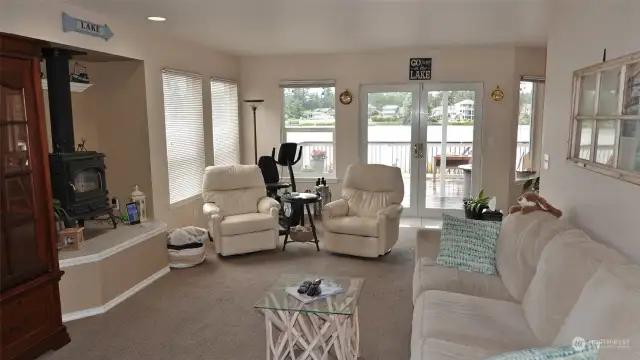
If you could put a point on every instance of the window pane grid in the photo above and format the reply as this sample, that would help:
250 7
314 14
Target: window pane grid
224 114
184 131
610 136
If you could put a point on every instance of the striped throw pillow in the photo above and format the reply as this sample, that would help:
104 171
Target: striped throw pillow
587 350
468 245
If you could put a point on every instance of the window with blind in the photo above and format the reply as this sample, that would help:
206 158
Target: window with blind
605 134
224 116
309 120
184 127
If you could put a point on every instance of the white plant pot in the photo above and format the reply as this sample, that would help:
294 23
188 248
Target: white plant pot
317 166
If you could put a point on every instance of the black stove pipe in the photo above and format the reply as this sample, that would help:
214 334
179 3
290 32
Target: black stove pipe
57 61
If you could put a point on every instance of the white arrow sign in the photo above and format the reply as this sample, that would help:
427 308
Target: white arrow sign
69 23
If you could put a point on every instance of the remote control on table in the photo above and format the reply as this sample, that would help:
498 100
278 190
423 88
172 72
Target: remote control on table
314 289
304 287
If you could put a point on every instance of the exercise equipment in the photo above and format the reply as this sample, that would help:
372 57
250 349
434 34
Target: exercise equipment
287 157
289 154
271 176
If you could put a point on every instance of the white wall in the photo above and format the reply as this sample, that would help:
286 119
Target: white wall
607 208
42 20
491 65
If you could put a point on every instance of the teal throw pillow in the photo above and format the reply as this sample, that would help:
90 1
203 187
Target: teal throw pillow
468 245
586 350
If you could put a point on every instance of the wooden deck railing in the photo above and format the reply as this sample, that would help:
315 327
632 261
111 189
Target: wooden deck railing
399 154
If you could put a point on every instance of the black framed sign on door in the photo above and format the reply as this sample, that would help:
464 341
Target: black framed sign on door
420 69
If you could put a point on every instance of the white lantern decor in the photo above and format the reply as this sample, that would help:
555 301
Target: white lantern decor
140 199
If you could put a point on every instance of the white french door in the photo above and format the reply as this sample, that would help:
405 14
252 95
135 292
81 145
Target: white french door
451 135
432 133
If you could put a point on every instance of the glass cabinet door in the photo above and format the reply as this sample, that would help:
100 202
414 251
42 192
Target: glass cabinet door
22 256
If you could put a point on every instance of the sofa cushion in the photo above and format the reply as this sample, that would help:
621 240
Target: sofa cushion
427 244
468 244
434 349
608 308
565 266
589 351
429 276
521 241
473 321
352 225
247 223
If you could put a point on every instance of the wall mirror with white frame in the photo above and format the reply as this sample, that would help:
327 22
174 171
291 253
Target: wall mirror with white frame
605 124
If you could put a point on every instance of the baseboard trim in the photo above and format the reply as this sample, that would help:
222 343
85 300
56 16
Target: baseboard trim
139 286
117 300
82 314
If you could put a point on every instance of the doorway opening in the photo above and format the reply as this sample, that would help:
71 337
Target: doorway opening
432 133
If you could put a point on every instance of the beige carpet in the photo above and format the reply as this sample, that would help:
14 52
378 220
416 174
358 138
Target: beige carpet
207 312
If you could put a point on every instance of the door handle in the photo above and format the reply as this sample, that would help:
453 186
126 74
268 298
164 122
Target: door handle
418 151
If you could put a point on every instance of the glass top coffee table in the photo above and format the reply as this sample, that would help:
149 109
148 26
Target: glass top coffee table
324 329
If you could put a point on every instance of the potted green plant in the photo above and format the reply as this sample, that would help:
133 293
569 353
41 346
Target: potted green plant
123 218
60 215
474 206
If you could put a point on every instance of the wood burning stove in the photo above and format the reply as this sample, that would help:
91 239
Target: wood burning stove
78 181
77 177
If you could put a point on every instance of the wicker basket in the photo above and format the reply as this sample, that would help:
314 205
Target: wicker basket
301 235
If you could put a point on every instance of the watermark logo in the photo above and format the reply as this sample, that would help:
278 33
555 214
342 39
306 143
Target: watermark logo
580 344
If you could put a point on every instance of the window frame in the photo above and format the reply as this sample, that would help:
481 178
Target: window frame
191 197
621 63
213 80
292 84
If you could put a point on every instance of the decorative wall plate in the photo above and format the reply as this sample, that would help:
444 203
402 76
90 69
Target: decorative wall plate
497 94
346 98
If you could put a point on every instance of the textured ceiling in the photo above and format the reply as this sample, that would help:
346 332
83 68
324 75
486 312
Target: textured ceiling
253 27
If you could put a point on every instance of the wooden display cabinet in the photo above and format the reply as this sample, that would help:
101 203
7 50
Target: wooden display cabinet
30 315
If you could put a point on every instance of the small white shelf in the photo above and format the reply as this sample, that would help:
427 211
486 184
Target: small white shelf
75 86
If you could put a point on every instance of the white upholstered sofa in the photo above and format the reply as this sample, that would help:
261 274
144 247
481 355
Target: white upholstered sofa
242 219
555 284
365 221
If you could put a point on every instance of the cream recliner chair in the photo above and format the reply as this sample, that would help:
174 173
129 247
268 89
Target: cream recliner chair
241 218
366 220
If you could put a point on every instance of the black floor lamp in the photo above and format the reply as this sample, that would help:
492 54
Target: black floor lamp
254 105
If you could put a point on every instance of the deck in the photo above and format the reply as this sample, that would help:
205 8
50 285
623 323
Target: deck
450 199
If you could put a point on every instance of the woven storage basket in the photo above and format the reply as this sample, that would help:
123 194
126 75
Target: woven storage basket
301 235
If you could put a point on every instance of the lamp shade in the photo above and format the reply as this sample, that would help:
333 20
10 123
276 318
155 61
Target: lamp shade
254 103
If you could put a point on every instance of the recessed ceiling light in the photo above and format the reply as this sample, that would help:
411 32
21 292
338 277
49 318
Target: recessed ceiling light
156 18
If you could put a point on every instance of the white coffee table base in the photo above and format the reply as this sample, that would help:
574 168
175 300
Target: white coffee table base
296 335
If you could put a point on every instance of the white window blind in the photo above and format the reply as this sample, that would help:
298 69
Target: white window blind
224 115
183 121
